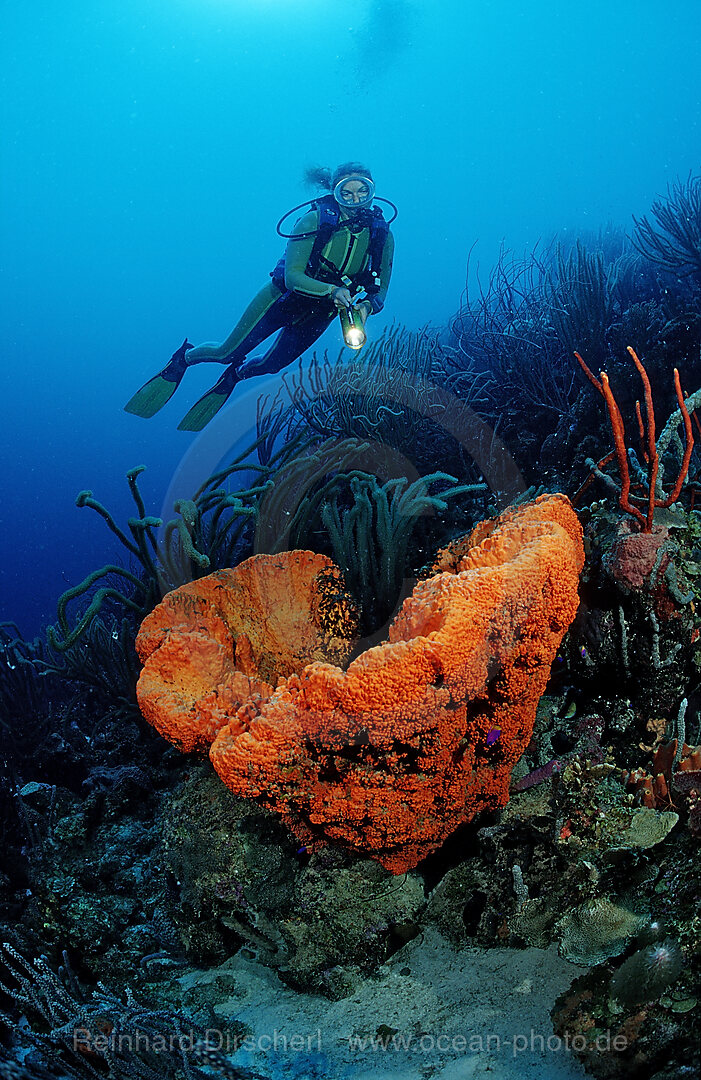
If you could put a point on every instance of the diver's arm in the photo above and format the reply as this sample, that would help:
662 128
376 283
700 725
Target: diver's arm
376 303
378 300
297 254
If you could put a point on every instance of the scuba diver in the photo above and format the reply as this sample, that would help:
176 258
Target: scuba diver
338 260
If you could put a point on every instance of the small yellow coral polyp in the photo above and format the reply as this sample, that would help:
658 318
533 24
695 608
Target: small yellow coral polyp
420 733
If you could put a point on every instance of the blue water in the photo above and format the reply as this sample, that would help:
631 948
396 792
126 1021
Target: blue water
149 148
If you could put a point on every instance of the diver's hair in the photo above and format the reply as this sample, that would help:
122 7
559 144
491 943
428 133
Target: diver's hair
317 176
321 177
346 169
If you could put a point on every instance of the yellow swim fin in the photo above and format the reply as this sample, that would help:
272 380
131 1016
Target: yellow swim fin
210 403
154 394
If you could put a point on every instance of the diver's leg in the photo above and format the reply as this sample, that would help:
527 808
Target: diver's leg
295 338
260 319
263 316
276 315
303 322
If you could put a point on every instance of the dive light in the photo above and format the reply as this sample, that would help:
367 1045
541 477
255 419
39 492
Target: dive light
352 327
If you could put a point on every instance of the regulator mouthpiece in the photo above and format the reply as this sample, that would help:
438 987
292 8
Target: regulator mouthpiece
352 327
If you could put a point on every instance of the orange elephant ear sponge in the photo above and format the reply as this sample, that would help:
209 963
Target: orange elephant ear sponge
214 644
417 735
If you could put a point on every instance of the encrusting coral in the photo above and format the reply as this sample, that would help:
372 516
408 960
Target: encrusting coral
420 733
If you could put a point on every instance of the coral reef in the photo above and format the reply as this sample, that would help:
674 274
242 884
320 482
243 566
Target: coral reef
595 294
673 240
68 1031
393 397
234 878
636 631
652 481
550 785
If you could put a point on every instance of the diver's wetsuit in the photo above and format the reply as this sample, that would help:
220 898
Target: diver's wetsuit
305 309
296 303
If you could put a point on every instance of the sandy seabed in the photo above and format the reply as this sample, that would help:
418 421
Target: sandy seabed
441 1012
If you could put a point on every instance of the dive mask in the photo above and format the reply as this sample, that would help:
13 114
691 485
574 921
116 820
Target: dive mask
362 204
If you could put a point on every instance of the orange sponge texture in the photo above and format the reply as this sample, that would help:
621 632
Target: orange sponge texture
220 641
